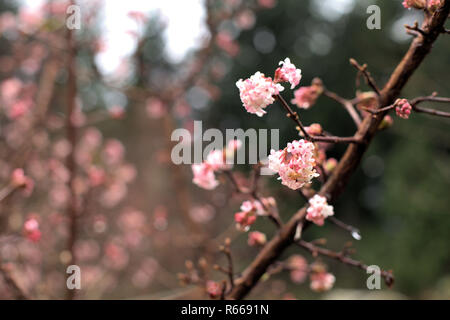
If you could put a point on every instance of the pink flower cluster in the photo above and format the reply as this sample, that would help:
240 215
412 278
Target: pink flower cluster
247 216
216 160
403 108
433 5
318 210
288 73
257 93
305 97
294 164
322 281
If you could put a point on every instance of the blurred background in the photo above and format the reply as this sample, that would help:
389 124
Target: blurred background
145 68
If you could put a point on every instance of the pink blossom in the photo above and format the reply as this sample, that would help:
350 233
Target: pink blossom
10 89
20 180
216 159
433 5
96 176
253 207
256 238
155 108
268 4
294 164
318 210
257 93
19 108
31 229
403 108
116 112
113 152
305 97
204 176
225 42
288 73
322 281
213 289
314 129
245 19
298 267
244 220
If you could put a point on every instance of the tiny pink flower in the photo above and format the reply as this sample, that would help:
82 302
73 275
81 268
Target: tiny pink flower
216 159
288 73
204 176
322 281
318 210
298 267
305 97
116 112
257 93
417 4
31 230
244 220
403 108
314 129
256 239
294 164
213 289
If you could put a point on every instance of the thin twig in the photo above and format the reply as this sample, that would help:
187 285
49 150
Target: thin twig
340 256
331 139
363 70
17 291
347 104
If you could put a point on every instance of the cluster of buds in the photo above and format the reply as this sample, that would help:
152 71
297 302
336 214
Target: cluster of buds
402 108
256 239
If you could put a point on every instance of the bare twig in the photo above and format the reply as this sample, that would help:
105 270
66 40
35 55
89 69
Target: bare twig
414 29
340 256
363 70
331 139
347 104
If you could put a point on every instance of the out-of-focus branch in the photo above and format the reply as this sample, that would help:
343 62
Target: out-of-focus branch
432 98
347 104
340 256
17 292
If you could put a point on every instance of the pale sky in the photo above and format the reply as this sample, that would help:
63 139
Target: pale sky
185 26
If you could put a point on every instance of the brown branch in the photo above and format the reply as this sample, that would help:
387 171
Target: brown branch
415 30
340 256
17 292
432 98
336 183
331 139
363 70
